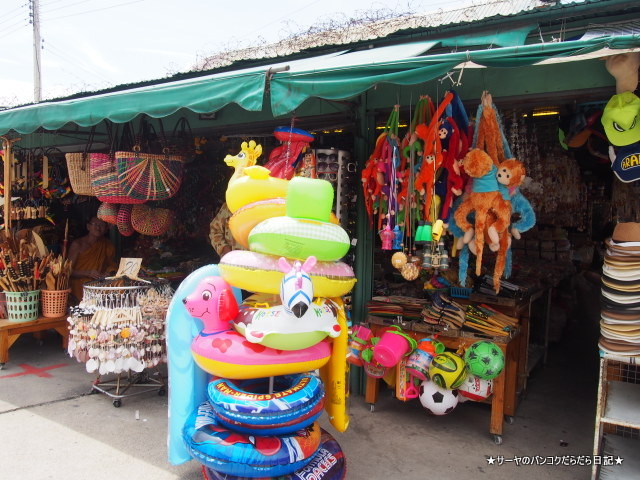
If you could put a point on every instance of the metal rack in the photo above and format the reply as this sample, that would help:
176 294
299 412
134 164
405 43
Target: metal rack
119 387
617 427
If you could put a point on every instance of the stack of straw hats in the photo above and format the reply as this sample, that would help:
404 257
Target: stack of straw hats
620 315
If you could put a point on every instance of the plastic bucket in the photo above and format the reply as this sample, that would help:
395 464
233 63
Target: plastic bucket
420 359
54 302
418 363
23 306
358 339
393 345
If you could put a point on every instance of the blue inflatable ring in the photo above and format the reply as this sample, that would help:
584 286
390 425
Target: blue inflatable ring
224 450
329 463
245 403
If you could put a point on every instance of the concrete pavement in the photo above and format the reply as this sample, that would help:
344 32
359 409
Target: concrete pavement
52 428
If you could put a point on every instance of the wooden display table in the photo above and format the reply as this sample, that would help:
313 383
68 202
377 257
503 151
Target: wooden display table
503 400
11 331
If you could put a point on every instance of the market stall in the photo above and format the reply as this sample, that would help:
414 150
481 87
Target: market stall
468 180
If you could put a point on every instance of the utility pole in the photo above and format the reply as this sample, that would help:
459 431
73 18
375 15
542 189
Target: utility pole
35 20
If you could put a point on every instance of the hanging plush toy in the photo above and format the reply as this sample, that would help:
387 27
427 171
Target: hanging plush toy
457 148
483 199
511 176
432 156
283 159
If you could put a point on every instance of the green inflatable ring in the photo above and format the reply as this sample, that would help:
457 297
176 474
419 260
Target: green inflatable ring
299 238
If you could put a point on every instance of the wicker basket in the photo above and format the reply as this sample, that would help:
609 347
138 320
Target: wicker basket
152 221
54 302
78 166
23 306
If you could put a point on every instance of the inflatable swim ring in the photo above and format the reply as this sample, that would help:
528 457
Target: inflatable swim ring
224 352
247 407
263 319
256 184
226 451
251 214
228 354
299 238
257 272
329 463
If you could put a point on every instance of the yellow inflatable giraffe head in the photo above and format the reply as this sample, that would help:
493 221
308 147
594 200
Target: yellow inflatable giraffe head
247 156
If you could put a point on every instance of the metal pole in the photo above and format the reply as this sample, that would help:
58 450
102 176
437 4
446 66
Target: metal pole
8 165
37 73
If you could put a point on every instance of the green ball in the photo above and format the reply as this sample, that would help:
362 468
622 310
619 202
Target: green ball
448 370
484 359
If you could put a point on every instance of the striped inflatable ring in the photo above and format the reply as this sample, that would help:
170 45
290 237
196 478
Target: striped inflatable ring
292 405
260 273
329 463
224 450
299 238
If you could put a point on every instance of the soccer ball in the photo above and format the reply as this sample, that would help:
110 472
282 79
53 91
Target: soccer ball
484 359
448 370
437 400
475 388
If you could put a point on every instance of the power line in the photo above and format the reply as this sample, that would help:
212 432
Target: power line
97 9
73 61
10 15
65 6
11 32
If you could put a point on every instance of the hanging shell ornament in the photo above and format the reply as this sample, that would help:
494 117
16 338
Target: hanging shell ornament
398 260
410 271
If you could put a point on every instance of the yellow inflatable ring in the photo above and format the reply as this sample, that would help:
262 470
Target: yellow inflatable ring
260 273
251 214
299 238
253 186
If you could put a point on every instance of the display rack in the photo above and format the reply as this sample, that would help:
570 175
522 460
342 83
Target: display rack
617 427
118 330
129 384
503 401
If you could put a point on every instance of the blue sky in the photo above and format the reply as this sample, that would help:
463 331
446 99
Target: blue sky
94 44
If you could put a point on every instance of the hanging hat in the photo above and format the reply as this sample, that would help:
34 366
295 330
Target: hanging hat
620 119
626 165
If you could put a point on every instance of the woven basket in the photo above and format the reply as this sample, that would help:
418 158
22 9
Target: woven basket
152 221
124 220
148 176
79 169
105 182
108 212
23 306
54 302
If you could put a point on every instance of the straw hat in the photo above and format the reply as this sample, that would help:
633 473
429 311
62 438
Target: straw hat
626 232
618 346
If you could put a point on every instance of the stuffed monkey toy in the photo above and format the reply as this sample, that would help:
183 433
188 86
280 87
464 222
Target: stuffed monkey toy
483 198
432 155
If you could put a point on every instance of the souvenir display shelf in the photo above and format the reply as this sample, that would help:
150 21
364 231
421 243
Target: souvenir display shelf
118 330
503 403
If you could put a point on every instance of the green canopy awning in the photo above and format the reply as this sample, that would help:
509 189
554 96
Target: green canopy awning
290 89
202 95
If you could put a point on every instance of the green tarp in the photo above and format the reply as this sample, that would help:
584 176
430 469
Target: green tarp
290 89
201 95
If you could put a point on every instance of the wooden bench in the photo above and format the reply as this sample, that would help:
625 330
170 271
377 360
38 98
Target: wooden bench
11 331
